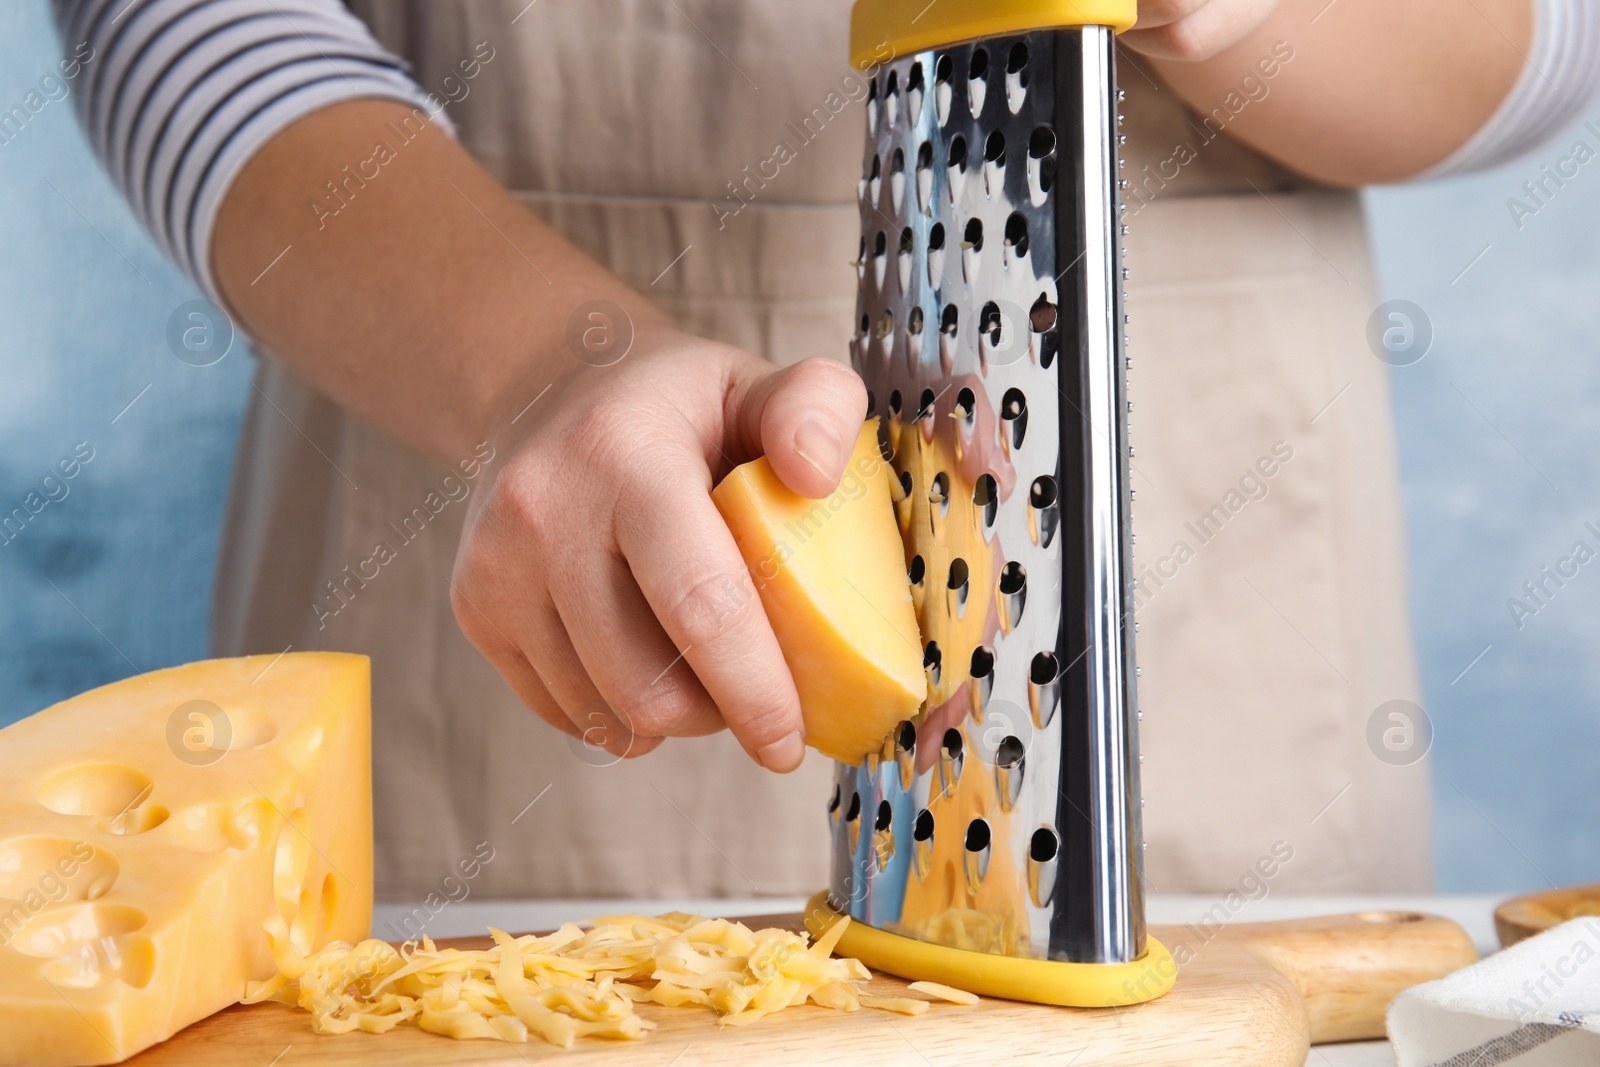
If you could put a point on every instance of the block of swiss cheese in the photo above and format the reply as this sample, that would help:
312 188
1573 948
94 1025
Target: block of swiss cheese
154 830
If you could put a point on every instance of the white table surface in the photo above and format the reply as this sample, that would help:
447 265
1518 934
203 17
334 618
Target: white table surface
471 916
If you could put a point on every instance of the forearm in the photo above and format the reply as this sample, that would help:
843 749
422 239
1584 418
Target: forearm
417 293
1376 91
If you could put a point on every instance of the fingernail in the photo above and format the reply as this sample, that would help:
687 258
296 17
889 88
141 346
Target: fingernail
784 754
821 448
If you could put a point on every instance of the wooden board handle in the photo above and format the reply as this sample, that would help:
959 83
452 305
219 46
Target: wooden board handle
1348 967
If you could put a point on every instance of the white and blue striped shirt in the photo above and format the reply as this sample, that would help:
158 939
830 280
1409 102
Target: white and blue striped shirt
177 95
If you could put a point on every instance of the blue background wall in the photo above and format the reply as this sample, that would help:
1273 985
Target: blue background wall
1499 433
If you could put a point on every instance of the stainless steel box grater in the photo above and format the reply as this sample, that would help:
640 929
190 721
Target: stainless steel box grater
1004 820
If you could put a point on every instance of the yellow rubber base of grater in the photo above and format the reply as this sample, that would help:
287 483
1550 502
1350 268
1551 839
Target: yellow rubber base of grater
1075 985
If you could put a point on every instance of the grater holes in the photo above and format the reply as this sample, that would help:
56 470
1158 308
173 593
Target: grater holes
905 492
951 758
872 403
905 737
925 404
990 323
994 163
833 804
1044 845
943 71
1042 315
931 662
977 80
981 680
872 106
874 180
1044 688
922 842
918 569
907 245
994 148
939 493
966 409
916 88
986 499
947 337
1043 848
891 99
897 178
971 249
1013 588
956 167
1016 236
854 811
1010 757
951 744
956 588
1043 516
861 264
880 251
936 255
1042 318
1013 579
976 861
925 177
1013 418
1017 76
885 817
1041 164
914 338
895 404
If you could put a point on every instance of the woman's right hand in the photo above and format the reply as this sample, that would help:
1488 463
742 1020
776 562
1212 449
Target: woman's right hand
597 575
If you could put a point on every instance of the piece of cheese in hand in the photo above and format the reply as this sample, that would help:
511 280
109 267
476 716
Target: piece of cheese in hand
168 838
832 577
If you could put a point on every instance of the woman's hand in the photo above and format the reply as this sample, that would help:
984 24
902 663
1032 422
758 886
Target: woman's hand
1194 29
598 577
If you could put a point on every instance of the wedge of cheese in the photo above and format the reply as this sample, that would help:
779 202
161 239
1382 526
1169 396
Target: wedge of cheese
832 576
170 837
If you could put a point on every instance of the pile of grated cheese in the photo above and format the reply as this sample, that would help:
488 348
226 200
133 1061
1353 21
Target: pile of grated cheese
575 982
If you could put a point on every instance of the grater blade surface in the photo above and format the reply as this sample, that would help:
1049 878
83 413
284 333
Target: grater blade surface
1005 818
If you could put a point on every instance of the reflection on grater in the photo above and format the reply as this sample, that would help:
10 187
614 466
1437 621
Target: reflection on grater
1005 817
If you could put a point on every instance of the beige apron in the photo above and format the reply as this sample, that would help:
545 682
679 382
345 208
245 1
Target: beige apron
1264 650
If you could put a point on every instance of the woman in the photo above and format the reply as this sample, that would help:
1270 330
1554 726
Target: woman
503 371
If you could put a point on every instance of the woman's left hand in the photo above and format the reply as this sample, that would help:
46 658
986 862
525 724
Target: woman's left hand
1194 29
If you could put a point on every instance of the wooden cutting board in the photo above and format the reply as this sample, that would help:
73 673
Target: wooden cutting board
1247 993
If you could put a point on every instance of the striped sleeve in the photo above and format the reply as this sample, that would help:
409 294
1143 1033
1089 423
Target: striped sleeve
1560 79
177 95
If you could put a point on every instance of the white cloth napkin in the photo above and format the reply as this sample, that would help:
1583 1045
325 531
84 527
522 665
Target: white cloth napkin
1535 1004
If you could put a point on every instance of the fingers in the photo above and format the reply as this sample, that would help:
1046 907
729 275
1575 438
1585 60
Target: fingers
804 418
548 677
690 571
628 656
1194 30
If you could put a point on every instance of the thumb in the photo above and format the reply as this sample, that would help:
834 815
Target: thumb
805 419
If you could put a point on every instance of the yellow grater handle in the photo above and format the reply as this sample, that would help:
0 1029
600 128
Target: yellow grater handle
883 29
1077 985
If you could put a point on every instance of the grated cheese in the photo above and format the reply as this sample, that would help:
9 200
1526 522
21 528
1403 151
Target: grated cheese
944 992
573 983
